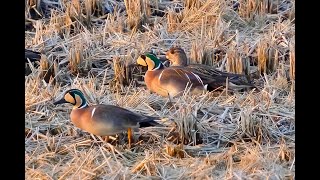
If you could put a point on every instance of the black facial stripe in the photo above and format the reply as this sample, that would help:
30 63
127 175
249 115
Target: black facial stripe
74 97
144 57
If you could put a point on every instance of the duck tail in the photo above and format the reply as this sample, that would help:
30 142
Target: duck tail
149 121
236 82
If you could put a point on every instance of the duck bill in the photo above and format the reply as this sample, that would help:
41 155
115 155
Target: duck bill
60 101
141 61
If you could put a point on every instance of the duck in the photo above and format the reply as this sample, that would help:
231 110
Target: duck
169 81
213 77
102 119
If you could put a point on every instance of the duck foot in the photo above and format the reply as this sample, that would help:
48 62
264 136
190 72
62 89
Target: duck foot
130 139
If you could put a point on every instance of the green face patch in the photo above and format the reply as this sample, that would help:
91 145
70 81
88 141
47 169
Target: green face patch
77 93
156 61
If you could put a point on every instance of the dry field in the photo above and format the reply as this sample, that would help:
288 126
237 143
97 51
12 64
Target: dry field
93 45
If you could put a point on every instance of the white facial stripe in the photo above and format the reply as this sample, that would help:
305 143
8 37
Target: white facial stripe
92 113
199 79
157 67
160 75
84 105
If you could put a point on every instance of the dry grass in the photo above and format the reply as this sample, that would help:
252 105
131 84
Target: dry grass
92 45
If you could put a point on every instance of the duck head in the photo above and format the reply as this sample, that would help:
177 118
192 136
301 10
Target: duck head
151 61
74 97
177 56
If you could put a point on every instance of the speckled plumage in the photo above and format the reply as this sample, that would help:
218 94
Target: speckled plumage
211 76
